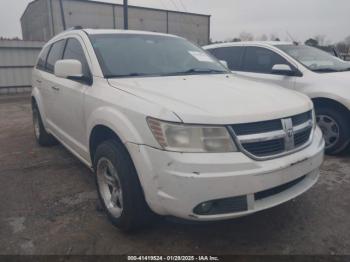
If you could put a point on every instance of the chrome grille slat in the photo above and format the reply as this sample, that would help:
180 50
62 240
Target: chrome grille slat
272 139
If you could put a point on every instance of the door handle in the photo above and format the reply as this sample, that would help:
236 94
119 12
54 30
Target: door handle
55 88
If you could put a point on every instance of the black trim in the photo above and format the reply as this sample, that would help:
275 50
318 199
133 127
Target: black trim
223 206
276 190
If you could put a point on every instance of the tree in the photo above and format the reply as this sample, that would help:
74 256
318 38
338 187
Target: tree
321 39
311 42
263 38
245 36
347 40
274 37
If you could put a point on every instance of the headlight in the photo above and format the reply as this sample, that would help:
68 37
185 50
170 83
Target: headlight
191 138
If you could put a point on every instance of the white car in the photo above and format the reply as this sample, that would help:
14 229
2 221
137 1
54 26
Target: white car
170 131
321 76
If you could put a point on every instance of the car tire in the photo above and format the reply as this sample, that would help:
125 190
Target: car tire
42 136
335 126
119 188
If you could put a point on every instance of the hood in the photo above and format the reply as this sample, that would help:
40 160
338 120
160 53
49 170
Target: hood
216 99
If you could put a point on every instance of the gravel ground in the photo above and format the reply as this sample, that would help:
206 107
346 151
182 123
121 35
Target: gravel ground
49 206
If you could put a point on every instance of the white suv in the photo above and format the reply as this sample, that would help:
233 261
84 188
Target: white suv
168 130
321 76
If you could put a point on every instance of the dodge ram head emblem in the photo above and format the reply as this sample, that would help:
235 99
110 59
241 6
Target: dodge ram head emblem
290 132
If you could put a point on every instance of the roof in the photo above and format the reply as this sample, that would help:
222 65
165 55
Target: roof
105 31
245 43
112 4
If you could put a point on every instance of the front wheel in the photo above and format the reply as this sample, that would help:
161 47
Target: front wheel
335 126
119 188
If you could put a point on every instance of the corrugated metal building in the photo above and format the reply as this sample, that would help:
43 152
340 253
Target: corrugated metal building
17 59
43 19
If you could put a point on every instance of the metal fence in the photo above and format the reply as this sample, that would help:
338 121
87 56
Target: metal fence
17 58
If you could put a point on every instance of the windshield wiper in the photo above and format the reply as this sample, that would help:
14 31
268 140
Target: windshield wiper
129 75
197 71
325 70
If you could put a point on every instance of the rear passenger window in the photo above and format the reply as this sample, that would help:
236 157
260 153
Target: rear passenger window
232 55
75 51
55 54
261 60
42 58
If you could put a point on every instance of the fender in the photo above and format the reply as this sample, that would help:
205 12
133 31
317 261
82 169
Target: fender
39 101
338 99
116 121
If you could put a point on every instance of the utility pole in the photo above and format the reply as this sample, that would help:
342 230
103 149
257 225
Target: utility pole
126 15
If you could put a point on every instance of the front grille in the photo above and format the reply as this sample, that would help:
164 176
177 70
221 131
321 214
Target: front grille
302 118
274 137
302 137
265 148
257 127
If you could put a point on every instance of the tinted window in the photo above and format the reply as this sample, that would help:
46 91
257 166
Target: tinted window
232 55
261 60
42 58
55 54
75 51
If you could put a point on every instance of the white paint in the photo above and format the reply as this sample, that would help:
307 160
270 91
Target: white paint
213 99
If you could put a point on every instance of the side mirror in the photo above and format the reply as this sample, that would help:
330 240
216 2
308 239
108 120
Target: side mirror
282 69
68 69
224 63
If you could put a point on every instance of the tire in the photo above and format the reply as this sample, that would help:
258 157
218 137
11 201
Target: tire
119 188
42 137
335 126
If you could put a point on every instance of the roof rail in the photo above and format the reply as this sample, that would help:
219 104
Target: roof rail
77 27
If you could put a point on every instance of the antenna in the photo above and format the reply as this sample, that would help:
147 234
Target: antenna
291 37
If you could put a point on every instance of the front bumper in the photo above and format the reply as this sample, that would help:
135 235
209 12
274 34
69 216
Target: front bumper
175 183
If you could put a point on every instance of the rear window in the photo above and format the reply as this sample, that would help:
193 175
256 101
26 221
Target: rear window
232 55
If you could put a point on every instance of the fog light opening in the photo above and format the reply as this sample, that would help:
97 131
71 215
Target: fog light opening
205 207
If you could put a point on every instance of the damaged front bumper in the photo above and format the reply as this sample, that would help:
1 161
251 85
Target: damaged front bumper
179 184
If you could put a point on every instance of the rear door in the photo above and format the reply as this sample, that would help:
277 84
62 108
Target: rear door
38 81
49 83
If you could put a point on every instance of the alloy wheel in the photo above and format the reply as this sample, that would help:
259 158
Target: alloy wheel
110 187
330 129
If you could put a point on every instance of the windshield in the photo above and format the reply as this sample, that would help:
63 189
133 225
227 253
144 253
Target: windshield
315 59
130 55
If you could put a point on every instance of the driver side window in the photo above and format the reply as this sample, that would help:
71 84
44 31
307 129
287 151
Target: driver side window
75 51
261 60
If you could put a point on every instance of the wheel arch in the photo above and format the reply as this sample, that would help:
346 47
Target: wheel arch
323 101
99 134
